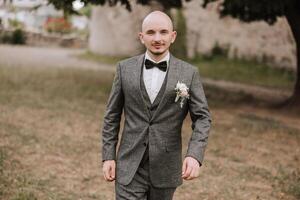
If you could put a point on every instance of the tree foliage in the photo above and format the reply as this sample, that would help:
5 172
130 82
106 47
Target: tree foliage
254 10
66 5
245 10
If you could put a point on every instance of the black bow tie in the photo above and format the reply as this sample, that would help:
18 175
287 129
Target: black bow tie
161 65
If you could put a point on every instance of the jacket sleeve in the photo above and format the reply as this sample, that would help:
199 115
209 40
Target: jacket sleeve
201 119
112 118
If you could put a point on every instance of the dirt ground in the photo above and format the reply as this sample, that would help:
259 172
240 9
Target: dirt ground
55 154
28 56
50 146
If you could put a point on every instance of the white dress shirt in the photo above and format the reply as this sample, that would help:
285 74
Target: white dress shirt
154 77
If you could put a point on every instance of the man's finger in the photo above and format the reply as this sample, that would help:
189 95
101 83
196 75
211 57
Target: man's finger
110 173
192 174
187 172
106 174
184 167
113 172
190 177
197 172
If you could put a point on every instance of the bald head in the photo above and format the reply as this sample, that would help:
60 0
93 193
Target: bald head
157 34
157 18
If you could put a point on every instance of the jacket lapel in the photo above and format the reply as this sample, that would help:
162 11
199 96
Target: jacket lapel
138 77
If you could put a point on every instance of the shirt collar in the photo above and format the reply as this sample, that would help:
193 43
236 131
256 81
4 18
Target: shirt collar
166 58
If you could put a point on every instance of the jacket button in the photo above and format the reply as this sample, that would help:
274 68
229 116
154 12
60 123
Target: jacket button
150 123
145 144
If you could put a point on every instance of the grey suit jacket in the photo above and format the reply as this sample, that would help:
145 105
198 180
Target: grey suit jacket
163 128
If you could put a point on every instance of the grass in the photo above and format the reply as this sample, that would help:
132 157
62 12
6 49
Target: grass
112 60
49 149
220 68
245 147
255 123
10 178
289 182
41 109
39 87
242 71
217 97
24 195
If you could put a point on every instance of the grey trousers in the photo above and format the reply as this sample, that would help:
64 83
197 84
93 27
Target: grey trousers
140 188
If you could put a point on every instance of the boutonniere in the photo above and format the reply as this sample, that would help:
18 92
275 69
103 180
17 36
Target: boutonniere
182 92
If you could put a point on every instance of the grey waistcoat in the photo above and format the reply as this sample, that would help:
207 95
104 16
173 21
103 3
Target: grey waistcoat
151 107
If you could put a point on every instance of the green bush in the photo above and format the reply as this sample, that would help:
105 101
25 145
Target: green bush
217 51
5 38
16 37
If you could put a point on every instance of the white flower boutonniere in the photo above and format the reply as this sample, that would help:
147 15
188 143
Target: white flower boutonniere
182 92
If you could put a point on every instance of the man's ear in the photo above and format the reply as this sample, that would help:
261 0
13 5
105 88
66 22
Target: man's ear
141 37
174 34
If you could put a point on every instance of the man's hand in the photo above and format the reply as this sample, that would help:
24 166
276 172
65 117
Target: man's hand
190 168
109 170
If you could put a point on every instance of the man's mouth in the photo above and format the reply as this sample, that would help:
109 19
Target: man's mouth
157 46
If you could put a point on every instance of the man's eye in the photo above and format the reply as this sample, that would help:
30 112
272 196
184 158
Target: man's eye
150 32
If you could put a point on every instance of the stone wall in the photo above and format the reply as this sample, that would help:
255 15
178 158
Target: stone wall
46 40
256 40
38 39
114 30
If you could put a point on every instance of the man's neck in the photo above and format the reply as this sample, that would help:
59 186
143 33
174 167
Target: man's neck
157 58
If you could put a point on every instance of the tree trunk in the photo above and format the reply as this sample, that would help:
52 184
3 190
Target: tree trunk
293 15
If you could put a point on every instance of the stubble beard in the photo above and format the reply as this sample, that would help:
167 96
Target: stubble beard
158 53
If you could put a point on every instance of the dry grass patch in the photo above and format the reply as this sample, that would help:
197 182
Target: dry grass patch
50 148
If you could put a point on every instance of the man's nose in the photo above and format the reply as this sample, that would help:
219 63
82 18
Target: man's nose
157 37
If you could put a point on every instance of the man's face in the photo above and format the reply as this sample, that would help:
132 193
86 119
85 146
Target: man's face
157 34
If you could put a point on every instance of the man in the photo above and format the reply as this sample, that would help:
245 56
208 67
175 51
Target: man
156 91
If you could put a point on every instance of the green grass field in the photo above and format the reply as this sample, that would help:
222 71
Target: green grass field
221 68
249 72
